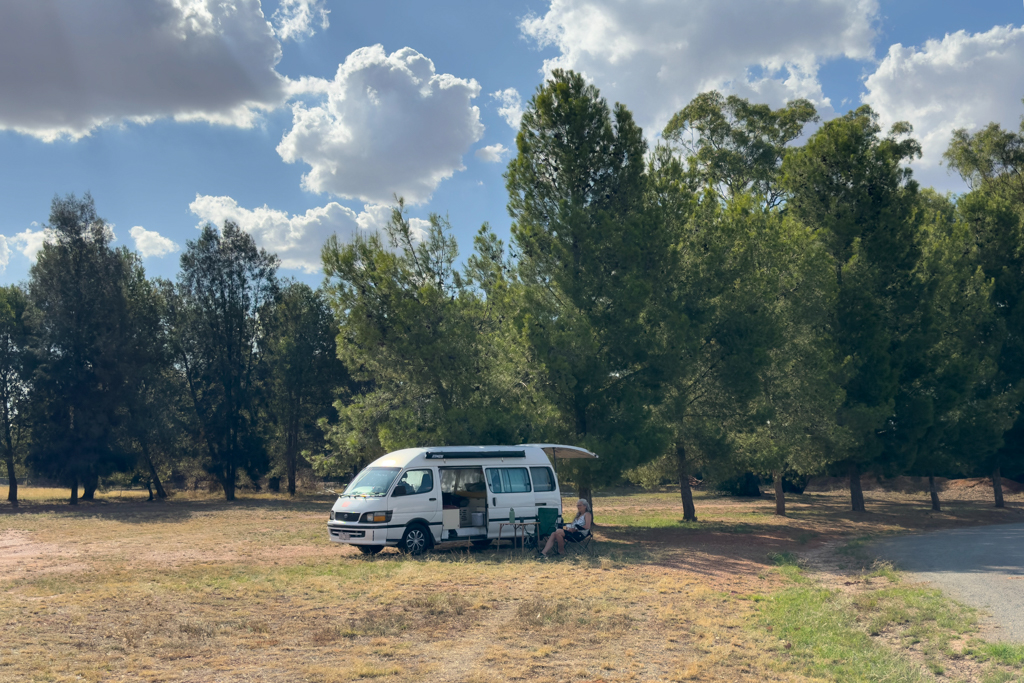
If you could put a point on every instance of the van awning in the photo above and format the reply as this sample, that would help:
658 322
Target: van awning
560 452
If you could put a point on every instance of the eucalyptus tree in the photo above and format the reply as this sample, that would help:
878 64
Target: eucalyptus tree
303 371
597 267
15 368
219 309
82 329
735 147
848 184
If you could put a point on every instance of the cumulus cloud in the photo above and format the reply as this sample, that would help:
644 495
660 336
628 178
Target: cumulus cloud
30 241
70 66
297 239
492 153
963 80
377 216
296 19
511 106
152 243
386 125
656 56
5 254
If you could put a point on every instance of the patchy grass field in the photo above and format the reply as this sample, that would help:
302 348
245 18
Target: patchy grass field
194 589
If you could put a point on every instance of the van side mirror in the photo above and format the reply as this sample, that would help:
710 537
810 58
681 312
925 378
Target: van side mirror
399 491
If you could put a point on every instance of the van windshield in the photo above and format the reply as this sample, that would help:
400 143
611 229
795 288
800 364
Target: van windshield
373 481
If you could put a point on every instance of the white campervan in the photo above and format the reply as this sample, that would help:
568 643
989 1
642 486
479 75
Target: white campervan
418 497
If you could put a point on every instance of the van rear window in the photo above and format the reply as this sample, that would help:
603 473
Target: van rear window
508 480
543 479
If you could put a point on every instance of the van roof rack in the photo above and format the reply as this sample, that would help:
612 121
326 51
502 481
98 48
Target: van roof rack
453 455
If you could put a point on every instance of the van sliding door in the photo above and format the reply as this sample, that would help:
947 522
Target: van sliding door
508 487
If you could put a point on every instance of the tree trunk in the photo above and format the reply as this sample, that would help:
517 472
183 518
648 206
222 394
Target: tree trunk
89 486
689 512
587 494
149 487
997 487
856 494
291 454
152 473
228 482
934 493
74 491
780 496
12 480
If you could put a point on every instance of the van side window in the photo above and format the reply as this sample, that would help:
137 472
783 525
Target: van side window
543 479
417 481
508 480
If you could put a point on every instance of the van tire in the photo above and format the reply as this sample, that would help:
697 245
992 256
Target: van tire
370 549
415 540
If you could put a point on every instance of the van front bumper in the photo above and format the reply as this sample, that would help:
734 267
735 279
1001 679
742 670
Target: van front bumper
359 535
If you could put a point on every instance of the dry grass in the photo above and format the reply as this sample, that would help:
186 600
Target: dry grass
195 589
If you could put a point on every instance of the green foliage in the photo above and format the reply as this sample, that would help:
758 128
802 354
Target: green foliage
437 351
597 263
218 311
848 185
734 146
84 334
15 367
303 374
992 162
739 277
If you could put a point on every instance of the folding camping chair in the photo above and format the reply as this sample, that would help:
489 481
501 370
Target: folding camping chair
585 546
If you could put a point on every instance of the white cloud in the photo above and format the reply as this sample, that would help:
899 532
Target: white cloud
511 108
5 254
656 56
71 66
492 153
297 239
295 19
377 216
152 243
962 81
29 242
389 125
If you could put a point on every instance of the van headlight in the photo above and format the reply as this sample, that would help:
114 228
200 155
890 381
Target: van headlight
376 517
332 515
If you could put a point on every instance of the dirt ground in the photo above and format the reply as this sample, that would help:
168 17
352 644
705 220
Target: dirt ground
194 589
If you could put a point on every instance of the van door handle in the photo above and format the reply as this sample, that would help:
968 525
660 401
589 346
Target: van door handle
494 501
541 503
433 499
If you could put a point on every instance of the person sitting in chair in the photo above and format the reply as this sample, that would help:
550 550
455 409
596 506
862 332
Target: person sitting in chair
576 532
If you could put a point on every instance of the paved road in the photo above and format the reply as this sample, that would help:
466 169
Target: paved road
982 567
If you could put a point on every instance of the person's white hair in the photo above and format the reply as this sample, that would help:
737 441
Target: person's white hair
585 504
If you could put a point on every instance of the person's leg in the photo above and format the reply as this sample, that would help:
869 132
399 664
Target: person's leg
548 545
554 538
561 542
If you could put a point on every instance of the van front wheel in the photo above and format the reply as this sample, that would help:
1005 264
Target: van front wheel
414 542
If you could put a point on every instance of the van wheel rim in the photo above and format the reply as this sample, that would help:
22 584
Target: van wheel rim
415 542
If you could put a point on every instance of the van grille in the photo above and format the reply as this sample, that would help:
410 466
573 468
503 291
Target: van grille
347 516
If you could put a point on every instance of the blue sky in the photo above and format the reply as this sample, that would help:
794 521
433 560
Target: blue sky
172 112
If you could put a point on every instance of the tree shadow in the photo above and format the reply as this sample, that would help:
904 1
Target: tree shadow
174 509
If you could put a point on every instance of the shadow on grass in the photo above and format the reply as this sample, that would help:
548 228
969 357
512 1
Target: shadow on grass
174 509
